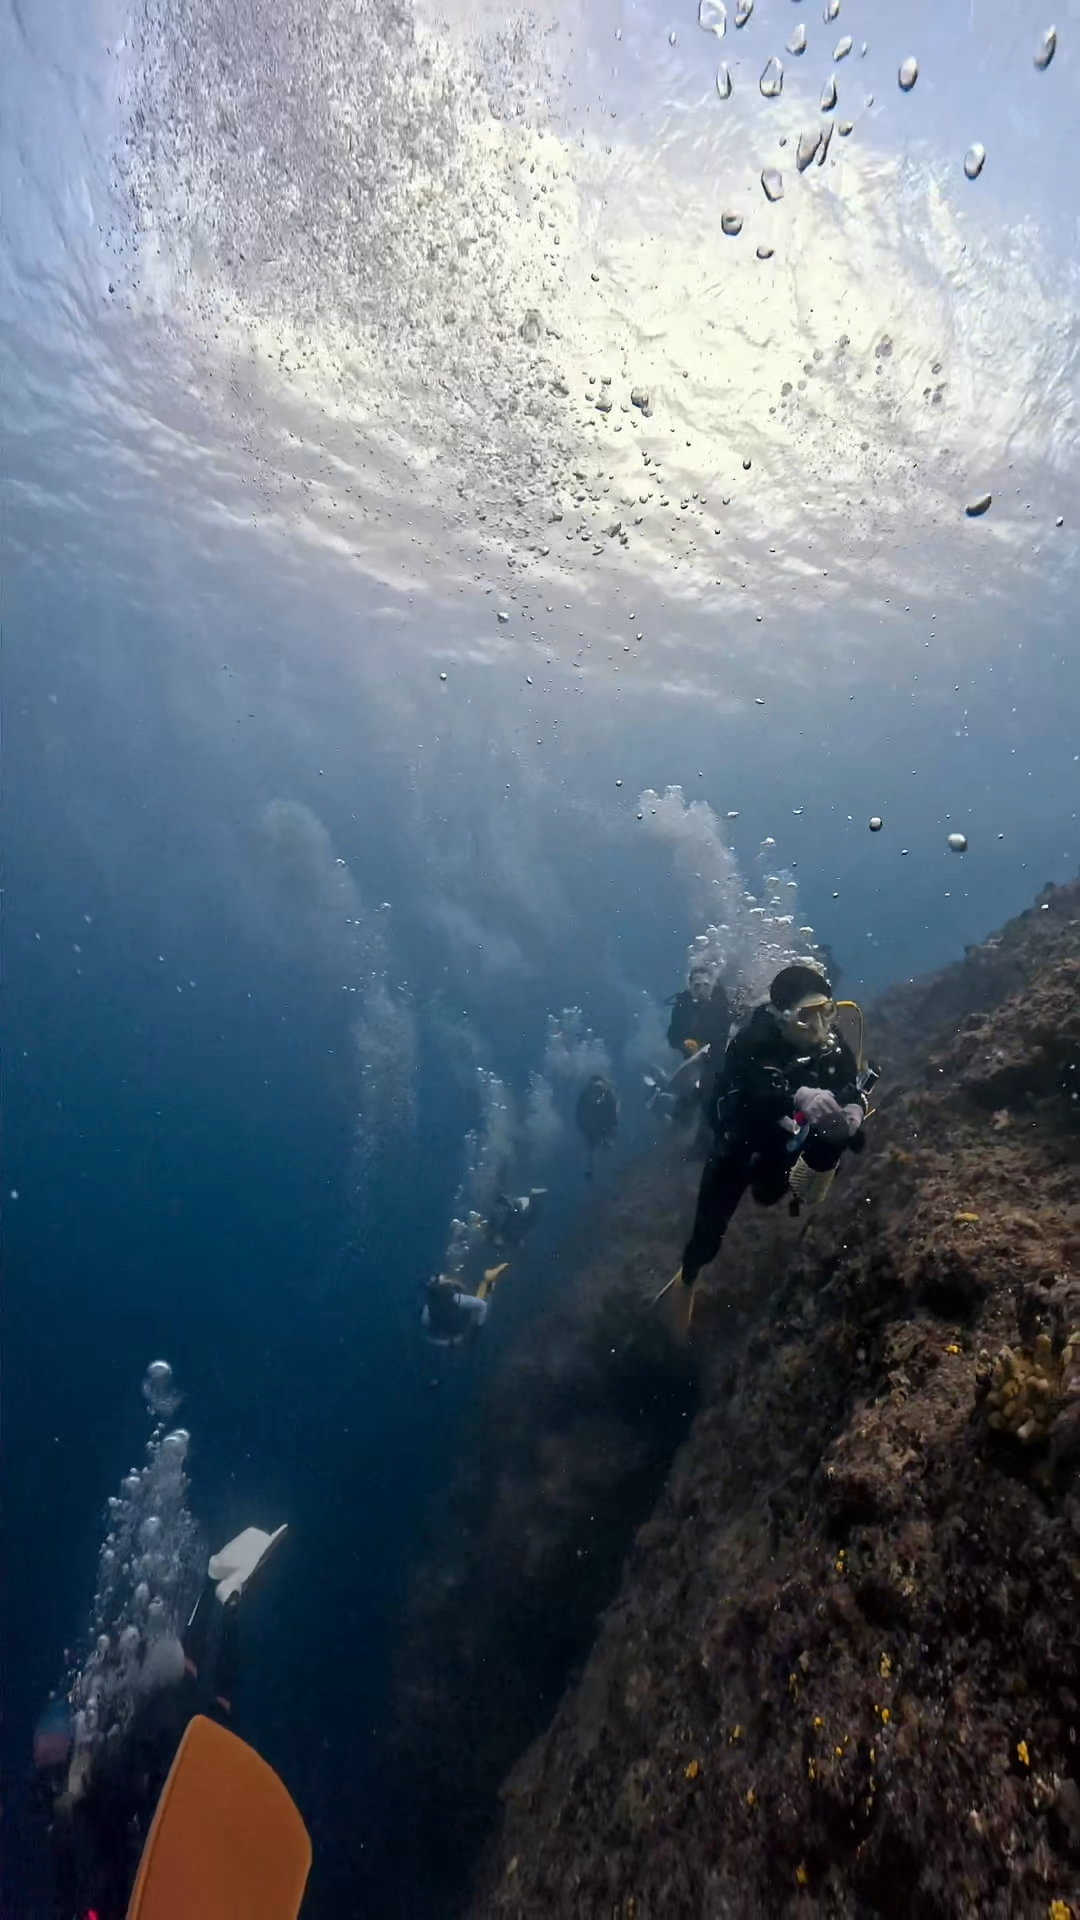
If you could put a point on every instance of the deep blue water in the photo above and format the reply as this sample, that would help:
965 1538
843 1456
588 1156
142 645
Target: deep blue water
299 832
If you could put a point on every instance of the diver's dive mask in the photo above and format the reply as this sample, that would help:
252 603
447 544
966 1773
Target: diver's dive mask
809 1024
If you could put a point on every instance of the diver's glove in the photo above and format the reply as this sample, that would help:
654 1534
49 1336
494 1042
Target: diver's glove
232 1568
824 1115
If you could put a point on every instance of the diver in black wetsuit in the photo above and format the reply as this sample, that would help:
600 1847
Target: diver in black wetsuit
786 1074
108 1793
512 1216
597 1116
700 1013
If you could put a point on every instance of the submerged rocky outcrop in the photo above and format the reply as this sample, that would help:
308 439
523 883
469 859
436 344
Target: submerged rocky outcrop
837 1669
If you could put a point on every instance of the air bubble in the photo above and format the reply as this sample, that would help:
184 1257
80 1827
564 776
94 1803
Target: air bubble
771 84
876 823
797 43
976 508
159 1389
743 10
828 95
843 47
1047 49
723 80
908 74
772 181
807 149
765 253
958 843
712 17
975 160
731 224
831 11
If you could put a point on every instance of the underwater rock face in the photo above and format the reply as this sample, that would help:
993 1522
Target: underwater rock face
572 1439
841 1675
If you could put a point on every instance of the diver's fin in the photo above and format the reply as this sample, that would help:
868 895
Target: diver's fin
233 1567
676 1304
490 1280
667 1286
226 1841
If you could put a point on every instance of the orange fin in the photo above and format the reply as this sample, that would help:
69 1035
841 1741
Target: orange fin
227 1842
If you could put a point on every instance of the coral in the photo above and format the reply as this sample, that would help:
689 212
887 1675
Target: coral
1029 1388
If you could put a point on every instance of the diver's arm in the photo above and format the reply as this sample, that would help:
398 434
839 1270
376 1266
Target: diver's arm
680 1026
848 1091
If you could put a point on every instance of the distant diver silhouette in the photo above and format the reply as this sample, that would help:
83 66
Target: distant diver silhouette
597 1116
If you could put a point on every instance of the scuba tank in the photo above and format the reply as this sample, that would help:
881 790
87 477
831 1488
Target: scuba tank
808 1188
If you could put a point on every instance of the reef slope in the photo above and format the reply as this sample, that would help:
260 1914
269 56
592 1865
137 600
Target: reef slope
811 1619
841 1674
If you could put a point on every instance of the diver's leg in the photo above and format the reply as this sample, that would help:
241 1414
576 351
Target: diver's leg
724 1180
210 1651
769 1180
210 1641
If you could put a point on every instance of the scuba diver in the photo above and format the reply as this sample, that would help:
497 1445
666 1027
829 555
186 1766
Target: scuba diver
698 1029
597 1116
700 1013
512 1217
451 1315
788 1100
171 1813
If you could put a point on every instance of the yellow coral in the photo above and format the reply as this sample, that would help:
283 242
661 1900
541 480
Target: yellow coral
802 1877
1022 1753
693 1770
1060 1910
751 1797
965 1219
885 1666
1027 1387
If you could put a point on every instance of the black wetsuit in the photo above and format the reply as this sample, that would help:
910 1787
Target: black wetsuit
706 1021
746 1101
598 1112
511 1218
99 1838
597 1116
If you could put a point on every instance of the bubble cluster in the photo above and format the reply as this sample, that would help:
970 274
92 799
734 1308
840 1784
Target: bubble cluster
149 1570
749 931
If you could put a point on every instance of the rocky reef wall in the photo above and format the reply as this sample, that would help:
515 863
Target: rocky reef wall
837 1669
